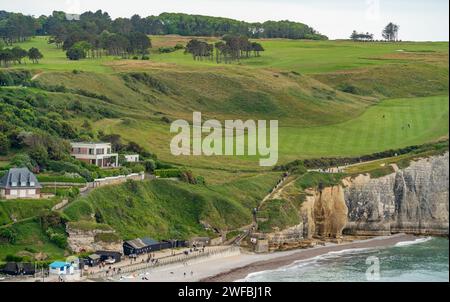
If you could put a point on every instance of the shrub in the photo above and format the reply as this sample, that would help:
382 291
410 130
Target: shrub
4 144
58 239
348 88
168 173
179 46
137 168
13 258
150 165
76 53
8 235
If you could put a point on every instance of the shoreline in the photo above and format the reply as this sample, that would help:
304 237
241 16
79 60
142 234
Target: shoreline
237 266
239 273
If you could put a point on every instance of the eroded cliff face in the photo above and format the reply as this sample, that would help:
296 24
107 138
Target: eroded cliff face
324 213
88 241
412 200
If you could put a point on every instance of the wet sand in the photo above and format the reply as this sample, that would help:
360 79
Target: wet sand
304 254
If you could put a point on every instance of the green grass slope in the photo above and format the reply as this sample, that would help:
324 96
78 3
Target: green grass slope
168 209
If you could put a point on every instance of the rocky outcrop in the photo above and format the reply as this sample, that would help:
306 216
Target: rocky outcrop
411 200
324 213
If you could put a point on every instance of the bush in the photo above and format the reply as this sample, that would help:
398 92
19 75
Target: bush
168 173
200 180
348 88
58 239
13 258
179 46
150 165
15 77
76 53
22 160
161 165
166 49
4 144
8 235
137 168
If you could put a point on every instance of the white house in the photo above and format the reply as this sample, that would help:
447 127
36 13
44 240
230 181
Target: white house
98 154
19 183
61 268
131 158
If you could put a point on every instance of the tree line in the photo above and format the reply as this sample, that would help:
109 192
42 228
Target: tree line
94 46
16 55
15 27
389 33
230 48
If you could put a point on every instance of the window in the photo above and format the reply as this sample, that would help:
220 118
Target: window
91 151
31 183
13 192
32 192
13 184
100 151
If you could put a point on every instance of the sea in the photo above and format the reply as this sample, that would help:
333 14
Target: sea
422 260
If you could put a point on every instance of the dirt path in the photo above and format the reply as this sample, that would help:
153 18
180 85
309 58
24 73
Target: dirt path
37 75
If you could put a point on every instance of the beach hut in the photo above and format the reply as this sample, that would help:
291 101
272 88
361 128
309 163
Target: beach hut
27 269
11 268
61 268
93 260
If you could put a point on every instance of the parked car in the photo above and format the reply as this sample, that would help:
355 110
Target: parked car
110 261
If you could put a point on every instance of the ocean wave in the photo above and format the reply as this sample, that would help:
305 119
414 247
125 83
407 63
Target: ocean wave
305 262
416 241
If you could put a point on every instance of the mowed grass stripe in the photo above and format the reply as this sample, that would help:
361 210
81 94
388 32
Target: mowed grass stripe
427 117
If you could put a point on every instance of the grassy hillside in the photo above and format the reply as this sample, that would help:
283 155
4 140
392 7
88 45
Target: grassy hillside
31 240
168 209
22 209
332 99
324 114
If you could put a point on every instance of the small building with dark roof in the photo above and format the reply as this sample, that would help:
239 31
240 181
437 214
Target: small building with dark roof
143 246
93 260
15 268
20 183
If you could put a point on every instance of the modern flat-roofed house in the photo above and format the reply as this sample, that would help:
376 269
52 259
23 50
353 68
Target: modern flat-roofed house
98 154
131 158
20 183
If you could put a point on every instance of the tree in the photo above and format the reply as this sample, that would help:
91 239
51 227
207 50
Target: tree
6 57
76 53
139 43
35 55
4 144
19 54
355 36
390 32
257 48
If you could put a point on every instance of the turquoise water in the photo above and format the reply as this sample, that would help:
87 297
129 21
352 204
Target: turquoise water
422 260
